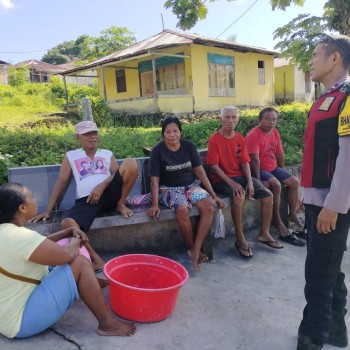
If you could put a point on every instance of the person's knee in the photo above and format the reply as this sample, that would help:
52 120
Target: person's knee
182 212
208 207
130 164
128 167
79 264
68 222
238 200
292 183
275 186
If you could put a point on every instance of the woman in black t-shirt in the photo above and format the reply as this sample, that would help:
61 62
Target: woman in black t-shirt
176 176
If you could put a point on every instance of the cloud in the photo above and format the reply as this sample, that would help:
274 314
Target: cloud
6 4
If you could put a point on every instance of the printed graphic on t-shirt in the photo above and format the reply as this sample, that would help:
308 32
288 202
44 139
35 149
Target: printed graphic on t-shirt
238 151
178 166
87 167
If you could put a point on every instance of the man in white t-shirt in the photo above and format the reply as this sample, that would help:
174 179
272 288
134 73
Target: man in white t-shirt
99 189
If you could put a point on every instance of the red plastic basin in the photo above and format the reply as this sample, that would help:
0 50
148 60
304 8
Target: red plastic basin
144 287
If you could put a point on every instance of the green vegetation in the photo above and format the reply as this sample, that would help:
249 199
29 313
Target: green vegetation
29 102
29 137
85 48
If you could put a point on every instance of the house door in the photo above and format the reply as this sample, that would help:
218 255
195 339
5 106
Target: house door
147 84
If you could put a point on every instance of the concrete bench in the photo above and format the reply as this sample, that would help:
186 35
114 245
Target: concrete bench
111 231
41 179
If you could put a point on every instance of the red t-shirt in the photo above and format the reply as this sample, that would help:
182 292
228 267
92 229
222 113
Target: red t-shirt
228 154
266 146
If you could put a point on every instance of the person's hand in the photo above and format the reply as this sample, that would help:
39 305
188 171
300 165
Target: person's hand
38 217
250 190
78 233
237 189
95 194
219 202
153 212
326 221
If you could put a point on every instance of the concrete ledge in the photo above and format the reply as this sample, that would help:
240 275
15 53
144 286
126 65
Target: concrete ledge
114 219
111 231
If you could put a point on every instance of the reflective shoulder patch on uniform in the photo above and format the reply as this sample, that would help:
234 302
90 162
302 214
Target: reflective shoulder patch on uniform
344 119
326 104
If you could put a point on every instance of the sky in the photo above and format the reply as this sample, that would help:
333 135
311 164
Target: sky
28 28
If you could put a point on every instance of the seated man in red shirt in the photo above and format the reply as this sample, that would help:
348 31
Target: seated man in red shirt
267 162
230 175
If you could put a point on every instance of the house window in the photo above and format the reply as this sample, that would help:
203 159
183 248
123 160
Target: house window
170 73
261 72
221 75
171 77
307 82
121 80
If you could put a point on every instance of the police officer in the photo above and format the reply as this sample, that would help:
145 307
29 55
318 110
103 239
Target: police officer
326 196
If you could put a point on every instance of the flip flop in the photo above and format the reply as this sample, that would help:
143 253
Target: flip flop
271 244
245 250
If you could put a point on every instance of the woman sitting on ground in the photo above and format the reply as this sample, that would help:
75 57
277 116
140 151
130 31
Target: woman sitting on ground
33 296
176 176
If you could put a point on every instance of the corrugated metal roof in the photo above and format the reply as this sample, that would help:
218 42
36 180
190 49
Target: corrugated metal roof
280 62
42 66
168 38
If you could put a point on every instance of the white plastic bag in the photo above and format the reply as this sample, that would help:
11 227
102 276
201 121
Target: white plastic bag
219 225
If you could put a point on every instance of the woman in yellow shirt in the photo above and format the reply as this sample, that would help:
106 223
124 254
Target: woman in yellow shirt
33 296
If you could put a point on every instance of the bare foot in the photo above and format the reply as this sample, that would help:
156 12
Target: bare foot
117 328
202 258
195 259
124 210
282 230
294 219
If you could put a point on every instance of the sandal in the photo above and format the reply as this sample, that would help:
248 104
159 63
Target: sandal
240 251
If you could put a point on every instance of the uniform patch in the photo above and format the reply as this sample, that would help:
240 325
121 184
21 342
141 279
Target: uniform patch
344 119
326 104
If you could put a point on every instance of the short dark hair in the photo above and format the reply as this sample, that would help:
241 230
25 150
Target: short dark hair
169 120
11 197
265 110
337 43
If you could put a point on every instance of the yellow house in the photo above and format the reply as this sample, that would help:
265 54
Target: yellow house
291 83
174 72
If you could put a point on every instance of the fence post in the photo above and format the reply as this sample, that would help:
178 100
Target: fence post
87 111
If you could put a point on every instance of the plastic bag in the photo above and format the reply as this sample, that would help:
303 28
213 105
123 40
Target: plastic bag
219 225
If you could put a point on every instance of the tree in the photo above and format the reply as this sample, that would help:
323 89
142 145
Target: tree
110 40
18 76
86 48
68 51
300 37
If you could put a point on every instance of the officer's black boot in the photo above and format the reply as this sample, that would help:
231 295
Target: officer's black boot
338 334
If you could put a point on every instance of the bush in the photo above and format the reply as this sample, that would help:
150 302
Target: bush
46 142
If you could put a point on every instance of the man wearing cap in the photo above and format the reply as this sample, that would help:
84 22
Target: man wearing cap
97 191
326 196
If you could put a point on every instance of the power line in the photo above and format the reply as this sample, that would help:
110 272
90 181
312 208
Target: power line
238 18
22 51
